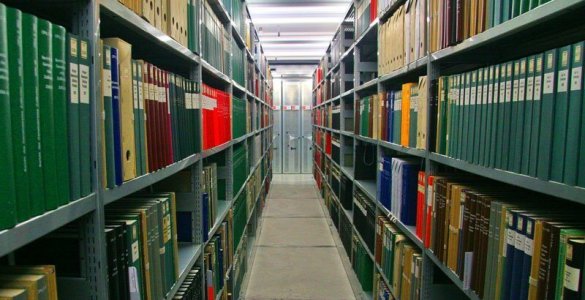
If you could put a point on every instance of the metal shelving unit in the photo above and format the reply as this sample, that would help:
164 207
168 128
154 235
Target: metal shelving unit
92 20
531 32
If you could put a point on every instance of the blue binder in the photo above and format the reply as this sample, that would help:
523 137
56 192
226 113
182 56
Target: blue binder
116 117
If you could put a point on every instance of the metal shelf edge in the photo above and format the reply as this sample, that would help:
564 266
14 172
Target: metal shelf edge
34 228
185 270
139 183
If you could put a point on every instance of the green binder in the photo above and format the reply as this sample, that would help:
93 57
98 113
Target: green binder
73 115
507 120
476 114
60 112
494 124
108 117
414 103
536 109
7 185
84 116
488 77
561 106
547 113
46 87
32 114
575 157
397 117
500 115
528 115
142 118
442 117
17 113
517 124
465 114
136 111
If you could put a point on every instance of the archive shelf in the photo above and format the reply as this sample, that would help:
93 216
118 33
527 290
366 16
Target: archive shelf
211 70
369 187
451 275
547 18
239 39
410 231
370 254
529 33
144 181
367 87
114 11
93 20
30 230
555 189
348 171
223 207
415 67
188 256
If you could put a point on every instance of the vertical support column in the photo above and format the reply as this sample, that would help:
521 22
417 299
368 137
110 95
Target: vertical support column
86 25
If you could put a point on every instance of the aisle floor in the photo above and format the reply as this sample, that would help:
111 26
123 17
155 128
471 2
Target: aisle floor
296 255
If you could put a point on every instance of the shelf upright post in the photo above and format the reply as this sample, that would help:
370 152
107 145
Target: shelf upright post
86 25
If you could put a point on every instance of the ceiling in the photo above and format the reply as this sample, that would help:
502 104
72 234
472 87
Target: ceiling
296 31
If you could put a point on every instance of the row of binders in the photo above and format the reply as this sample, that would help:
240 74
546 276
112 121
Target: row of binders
217 117
216 40
454 21
45 117
142 246
218 259
176 18
398 188
28 282
403 37
191 288
396 116
505 243
523 116
150 116
400 261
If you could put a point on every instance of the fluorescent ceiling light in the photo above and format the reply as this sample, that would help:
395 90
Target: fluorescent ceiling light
295 20
265 40
295 33
273 10
298 45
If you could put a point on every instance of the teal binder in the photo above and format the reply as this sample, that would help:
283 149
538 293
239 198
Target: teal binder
528 115
546 114
575 119
536 110
561 107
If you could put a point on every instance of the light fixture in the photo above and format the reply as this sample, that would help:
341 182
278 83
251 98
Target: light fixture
296 20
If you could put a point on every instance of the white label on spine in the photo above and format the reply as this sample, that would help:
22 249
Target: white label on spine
140 95
84 89
135 252
74 83
572 278
576 76
519 241
528 246
530 89
563 84
107 79
548 83
537 87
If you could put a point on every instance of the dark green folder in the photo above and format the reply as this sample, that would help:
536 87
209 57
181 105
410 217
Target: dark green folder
73 116
32 114
136 119
513 114
478 112
466 120
397 117
7 185
365 116
528 114
575 145
484 129
547 113
142 119
500 115
60 110
506 11
536 110
561 107
414 103
46 87
108 117
84 116
507 120
517 124
524 6
493 117
442 117
17 113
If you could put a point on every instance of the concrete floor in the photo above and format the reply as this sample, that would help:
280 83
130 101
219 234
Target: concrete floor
296 255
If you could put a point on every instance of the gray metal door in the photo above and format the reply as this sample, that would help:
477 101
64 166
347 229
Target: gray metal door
277 129
306 124
292 133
